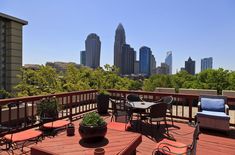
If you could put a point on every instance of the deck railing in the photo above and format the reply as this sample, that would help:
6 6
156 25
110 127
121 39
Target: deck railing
24 114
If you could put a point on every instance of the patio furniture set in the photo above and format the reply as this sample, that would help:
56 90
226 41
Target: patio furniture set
212 114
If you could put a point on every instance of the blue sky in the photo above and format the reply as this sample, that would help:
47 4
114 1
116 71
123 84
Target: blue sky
57 29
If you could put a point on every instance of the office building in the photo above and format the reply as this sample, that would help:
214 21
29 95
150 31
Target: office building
163 69
120 39
168 61
11 34
190 66
128 60
83 58
206 63
93 46
136 67
153 65
145 60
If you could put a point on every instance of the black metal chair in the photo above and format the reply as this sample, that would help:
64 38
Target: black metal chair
169 100
135 98
121 116
158 114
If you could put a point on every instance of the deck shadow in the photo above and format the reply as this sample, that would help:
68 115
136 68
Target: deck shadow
90 144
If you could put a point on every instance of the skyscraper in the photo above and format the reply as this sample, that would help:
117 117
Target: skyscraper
153 65
190 66
120 39
93 46
168 61
145 60
136 67
206 63
10 50
128 60
83 58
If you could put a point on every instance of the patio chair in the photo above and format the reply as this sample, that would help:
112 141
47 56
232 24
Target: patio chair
133 98
15 140
213 112
121 116
50 124
136 98
169 100
158 114
169 147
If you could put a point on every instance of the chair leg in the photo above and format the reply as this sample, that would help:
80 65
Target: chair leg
111 118
166 126
172 119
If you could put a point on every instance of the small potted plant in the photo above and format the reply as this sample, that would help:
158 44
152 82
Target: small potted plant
102 101
93 127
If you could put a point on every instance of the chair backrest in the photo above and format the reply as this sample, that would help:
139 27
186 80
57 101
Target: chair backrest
213 103
167 99
133 98
195 138
158 110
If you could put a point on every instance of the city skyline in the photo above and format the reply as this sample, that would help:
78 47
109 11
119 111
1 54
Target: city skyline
197 29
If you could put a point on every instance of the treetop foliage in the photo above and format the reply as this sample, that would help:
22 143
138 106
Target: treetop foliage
46 80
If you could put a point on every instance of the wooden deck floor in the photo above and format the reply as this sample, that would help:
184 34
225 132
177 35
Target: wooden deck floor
210 142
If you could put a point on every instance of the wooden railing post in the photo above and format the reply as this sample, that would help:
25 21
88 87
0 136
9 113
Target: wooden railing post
190 109
70 108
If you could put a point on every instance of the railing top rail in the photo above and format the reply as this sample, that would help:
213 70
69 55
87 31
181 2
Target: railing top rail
189 96
34 98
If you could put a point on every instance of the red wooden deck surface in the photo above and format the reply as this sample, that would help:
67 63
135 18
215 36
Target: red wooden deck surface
116 142
209 143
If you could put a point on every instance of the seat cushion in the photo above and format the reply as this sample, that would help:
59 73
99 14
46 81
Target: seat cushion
56 124
212 104
169 149
213 114
23 135
119 126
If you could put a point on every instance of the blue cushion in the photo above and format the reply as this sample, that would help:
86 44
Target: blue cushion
213 114
212 104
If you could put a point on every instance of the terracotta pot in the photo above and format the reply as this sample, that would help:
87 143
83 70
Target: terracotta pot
99 151
91 133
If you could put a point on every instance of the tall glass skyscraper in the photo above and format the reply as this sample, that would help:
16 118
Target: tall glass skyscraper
168 61
145 60
206 63
93 46
120 39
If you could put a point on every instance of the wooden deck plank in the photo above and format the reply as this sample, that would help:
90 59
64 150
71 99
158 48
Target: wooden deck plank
210 142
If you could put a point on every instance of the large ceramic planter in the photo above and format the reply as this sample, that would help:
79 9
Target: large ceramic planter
102 103
91 133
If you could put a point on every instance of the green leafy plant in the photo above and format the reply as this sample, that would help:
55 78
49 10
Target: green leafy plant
92 119
48 107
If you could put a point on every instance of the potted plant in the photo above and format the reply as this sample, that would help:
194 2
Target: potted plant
103 101
93 127
48 109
